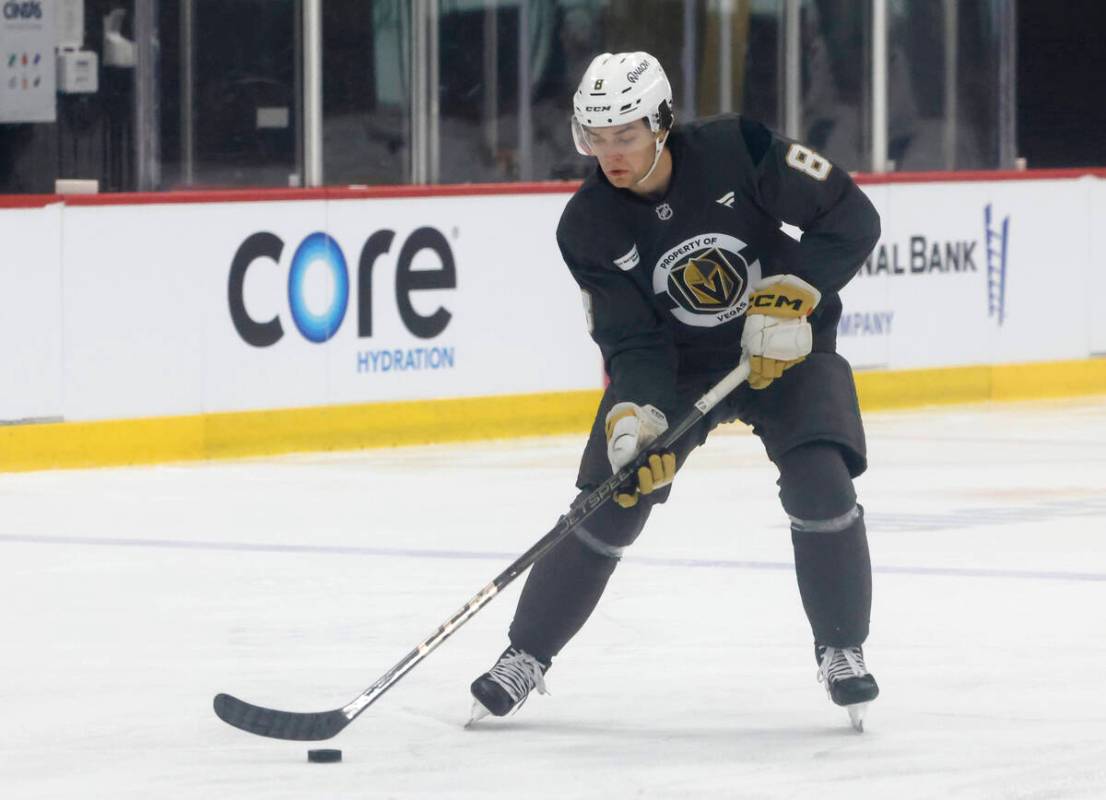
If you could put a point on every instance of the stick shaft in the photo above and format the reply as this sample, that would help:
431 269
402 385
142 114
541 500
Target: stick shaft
316 726
581 509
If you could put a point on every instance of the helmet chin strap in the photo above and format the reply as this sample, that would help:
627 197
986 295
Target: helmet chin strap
656 159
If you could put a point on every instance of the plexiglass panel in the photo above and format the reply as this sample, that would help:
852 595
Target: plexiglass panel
454 91
720 55
944 85
491 130
366 91
231 93
836 40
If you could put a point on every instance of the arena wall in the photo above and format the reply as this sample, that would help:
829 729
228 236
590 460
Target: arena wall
142 328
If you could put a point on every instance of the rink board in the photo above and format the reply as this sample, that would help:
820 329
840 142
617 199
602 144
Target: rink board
143 328
152 440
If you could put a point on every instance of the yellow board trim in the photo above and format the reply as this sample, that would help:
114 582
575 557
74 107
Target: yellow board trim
63 445
1003 382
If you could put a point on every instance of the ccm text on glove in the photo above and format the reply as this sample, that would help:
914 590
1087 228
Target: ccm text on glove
777 334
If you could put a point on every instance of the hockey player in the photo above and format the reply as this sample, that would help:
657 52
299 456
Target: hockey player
675 241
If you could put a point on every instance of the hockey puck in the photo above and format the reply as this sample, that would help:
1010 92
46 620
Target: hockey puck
324 756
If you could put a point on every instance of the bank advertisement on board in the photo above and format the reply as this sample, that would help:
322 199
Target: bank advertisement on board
114 311
959 275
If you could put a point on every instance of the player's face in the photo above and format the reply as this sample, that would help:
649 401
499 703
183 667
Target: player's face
625 152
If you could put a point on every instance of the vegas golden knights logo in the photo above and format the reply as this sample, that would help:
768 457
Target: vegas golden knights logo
706 282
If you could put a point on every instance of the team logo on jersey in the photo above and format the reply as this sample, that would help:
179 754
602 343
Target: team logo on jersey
708 282
707 278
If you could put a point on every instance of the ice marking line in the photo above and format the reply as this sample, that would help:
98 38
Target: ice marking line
252 547
971 517
488 555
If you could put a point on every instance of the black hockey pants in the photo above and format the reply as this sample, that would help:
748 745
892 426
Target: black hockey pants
817 445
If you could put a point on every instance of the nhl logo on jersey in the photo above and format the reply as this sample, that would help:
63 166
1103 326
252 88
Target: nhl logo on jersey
707 279
664 211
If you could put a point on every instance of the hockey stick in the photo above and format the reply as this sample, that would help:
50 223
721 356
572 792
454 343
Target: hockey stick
297 726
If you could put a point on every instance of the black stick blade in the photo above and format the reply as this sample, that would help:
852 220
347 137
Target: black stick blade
288 725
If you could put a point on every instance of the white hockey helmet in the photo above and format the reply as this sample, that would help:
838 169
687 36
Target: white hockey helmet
618 88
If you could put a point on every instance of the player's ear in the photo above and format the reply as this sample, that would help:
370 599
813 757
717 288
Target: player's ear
667 117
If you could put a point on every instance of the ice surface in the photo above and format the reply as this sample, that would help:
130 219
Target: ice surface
129 597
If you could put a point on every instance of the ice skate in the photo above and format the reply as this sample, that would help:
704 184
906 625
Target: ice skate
847 680
505 687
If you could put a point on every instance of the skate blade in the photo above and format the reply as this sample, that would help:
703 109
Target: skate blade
478 713
856 715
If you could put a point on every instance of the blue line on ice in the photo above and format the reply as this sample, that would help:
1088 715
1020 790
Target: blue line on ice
457 555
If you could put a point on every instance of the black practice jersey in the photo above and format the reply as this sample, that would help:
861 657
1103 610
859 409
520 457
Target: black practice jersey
666 280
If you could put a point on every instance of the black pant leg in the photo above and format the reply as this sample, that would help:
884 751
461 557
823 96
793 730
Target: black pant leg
832 563
564 587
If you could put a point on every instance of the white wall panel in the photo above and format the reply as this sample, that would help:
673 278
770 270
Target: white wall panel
115 311
130 299
30 313
868 319
958 275
1096 277
147 309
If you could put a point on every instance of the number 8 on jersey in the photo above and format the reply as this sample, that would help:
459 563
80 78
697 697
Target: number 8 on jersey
807 161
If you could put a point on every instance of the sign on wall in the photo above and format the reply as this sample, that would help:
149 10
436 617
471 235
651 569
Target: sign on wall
958 275
292 304
232 306
27 65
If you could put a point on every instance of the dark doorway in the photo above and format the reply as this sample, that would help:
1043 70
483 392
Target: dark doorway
1061 83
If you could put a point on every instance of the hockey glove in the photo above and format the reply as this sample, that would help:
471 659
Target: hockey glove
777 334
630 430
